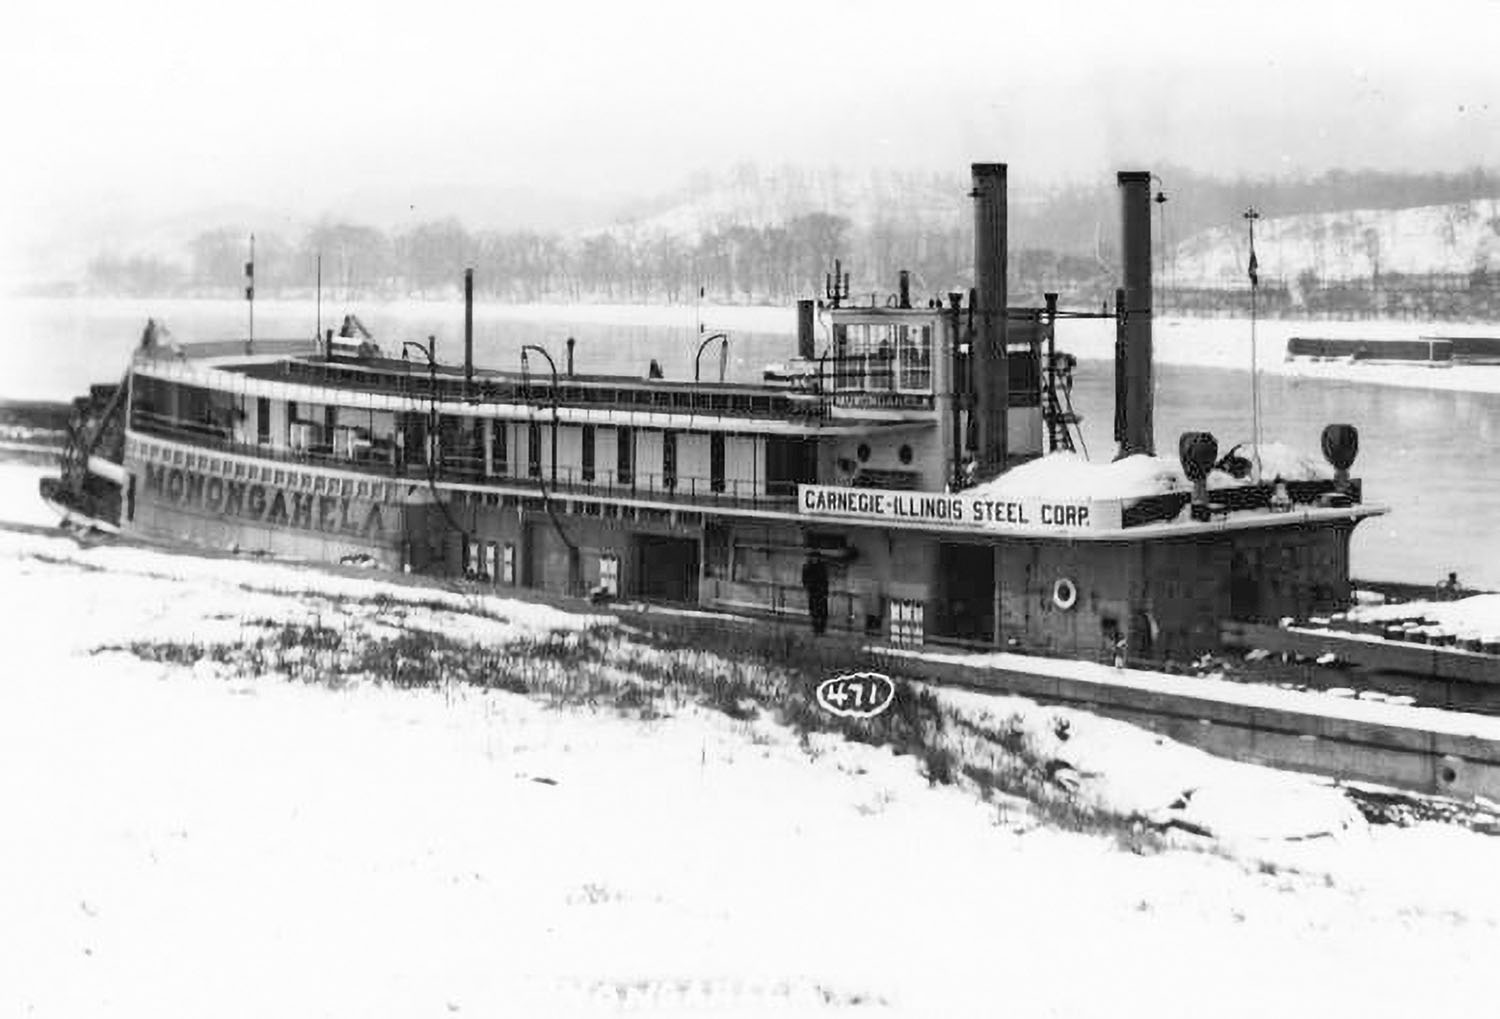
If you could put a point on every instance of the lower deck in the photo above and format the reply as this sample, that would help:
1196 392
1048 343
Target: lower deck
1150 597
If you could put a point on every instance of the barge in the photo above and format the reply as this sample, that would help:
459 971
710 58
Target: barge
894 478
1428 351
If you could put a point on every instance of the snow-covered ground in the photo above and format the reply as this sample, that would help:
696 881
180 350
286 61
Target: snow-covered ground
1454 238
195 840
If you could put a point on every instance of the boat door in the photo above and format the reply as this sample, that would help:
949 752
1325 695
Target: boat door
965 607
666 568
533 573
1244 586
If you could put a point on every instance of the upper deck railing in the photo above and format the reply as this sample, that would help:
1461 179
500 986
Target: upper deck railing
173 351
418 383
468 468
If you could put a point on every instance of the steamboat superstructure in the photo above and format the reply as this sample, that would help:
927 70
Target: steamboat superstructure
882 454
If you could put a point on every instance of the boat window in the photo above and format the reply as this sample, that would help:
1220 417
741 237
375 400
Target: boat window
669 459
588 452
882 357
534 450
499 448
609 573
625 455
716 462
849 342
916 358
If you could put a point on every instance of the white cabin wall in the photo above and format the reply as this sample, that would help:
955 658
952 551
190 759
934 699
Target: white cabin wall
693 461
278 424
606 455
742 464
648 446
569 451
1024 431
929 460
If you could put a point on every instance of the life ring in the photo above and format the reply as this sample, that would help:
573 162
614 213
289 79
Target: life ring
1064 594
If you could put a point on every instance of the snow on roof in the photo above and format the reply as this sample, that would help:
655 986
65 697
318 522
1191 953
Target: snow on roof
1065 475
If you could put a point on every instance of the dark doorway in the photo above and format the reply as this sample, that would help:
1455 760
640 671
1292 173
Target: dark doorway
1244 586
533 572
666 569
966 600
790 461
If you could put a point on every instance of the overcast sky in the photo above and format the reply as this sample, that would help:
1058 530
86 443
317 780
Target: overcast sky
156 108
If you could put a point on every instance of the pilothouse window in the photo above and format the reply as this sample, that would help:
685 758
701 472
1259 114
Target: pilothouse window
881 358
916 358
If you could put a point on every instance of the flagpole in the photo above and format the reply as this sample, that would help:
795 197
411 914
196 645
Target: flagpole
1251 216
250 294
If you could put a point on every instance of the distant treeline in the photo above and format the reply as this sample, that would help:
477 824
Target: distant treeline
1471 296
1065 241
774 264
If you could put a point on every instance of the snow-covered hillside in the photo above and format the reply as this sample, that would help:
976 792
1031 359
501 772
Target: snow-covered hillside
191 836
752 197
1447 239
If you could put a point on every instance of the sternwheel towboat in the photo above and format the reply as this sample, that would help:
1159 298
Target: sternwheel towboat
918 451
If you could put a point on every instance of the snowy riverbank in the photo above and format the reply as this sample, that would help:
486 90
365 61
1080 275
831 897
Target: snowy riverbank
201 840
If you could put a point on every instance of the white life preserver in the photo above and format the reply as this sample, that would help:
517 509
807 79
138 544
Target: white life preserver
1064 593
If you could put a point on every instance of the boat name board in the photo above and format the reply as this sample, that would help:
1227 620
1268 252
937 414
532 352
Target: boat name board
883 401
1027 514
269 504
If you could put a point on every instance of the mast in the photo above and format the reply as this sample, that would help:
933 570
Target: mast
1250 217
250 294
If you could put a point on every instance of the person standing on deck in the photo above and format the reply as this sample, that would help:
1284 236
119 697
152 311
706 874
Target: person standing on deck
815 583
1450 589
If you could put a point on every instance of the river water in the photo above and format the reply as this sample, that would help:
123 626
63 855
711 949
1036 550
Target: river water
1432 456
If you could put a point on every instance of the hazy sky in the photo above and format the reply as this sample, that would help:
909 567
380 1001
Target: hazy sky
149 108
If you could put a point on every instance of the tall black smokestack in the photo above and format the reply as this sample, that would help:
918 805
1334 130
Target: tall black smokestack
806 346
1135 388
989 370
468 332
